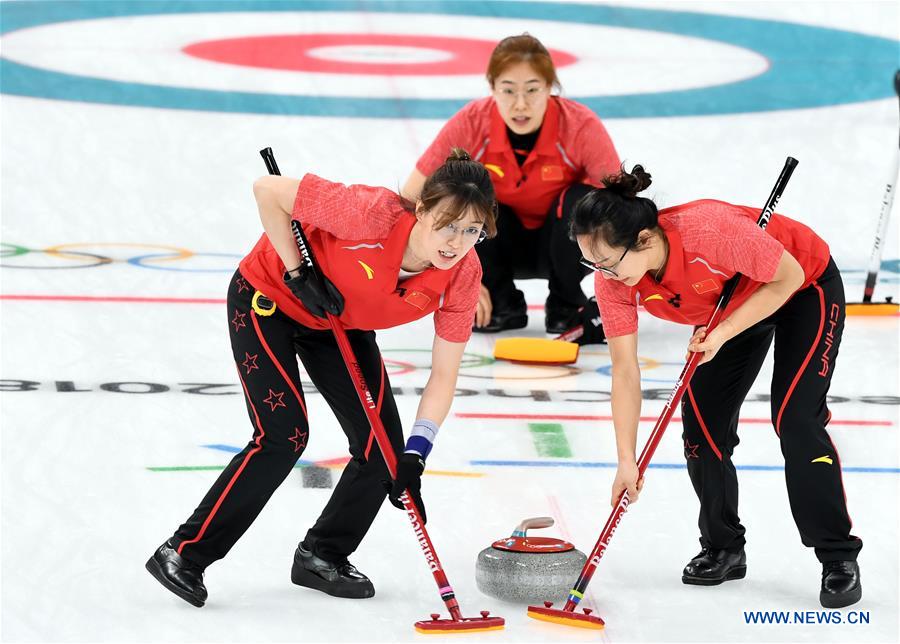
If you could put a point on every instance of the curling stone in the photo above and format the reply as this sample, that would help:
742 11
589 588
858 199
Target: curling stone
521 568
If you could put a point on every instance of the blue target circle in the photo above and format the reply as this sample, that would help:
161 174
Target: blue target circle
809 66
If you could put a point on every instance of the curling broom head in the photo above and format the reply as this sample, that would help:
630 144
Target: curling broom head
546 613
873 308
536 350
438 626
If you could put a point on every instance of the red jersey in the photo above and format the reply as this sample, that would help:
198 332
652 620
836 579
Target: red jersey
709 241
572 147
358 235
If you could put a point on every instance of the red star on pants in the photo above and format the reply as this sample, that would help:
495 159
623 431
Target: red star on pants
242 285
250 362
274 399
238 320
299 439
690 451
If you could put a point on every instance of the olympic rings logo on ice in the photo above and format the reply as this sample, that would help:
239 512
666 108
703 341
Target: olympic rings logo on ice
93 254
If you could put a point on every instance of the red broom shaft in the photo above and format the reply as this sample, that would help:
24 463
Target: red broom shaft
368 405
646 456
365 397
675 397
662 422
387 451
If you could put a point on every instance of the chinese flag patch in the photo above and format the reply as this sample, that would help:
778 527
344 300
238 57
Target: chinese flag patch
417 299
705 286
551 173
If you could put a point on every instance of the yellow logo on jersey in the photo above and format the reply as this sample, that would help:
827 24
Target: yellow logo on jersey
368 269
496 169
823 459
655 296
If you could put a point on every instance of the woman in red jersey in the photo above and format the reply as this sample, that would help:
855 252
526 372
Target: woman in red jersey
541 150
675 262
385 264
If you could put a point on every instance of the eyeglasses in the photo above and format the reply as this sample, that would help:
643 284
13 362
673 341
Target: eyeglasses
508 95
469 234
603 269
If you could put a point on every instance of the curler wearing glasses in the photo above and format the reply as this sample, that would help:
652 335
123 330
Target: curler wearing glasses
543 152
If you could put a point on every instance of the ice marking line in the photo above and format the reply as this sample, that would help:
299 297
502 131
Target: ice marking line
550 440
667 466
114 298
301 465
651 419
405 367
332 463
192 468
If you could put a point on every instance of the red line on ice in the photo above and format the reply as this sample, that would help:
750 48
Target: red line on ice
748 421
115 298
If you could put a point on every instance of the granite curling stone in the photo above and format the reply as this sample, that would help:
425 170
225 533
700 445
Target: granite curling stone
526 569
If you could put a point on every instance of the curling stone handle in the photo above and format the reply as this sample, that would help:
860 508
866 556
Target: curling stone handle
535 522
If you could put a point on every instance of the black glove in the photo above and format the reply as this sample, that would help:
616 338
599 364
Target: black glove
409 477
309 291
589 318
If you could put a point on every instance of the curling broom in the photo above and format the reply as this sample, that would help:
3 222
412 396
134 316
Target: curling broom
457 623
867 306
585 619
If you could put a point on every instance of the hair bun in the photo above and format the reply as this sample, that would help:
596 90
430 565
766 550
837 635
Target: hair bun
458 154
628 184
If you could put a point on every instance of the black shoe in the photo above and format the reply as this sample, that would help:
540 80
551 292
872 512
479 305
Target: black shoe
182 577
340 579
509 315
711 567
840 584
559 318
591 324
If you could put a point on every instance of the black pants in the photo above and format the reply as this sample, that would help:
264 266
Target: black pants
545 252
807 331
265 352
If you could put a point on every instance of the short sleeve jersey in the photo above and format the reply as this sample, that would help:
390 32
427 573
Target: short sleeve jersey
573 146
358 234
709 241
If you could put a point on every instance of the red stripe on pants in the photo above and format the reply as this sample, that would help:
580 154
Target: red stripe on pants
277 364
234 478
809 356
709 439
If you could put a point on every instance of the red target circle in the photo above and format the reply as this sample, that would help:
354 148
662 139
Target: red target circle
402 367
377 54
